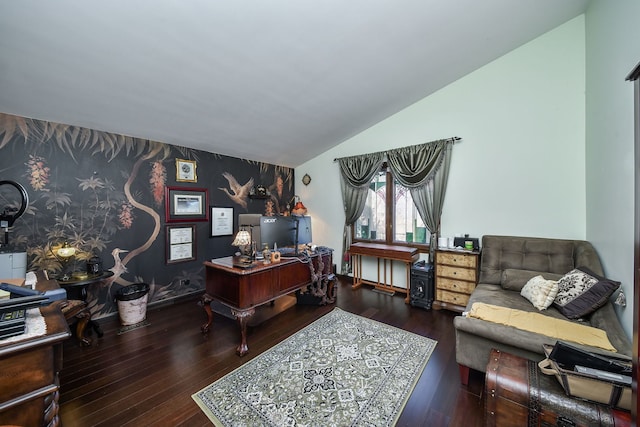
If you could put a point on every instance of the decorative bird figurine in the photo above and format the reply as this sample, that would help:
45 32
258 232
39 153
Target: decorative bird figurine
239 193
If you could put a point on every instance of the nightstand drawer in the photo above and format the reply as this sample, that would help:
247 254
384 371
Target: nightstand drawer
456 273
460 260
455 285
452 297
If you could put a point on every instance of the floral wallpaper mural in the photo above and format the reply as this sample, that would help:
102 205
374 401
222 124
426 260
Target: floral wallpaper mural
104 194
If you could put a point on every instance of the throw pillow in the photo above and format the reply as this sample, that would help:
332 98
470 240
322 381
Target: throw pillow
540 292
581 292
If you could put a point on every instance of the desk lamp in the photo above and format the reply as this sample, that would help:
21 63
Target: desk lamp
65 255
243 242
298 208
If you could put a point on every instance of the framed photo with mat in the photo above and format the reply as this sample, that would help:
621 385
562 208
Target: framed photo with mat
186 171
186 204
181 243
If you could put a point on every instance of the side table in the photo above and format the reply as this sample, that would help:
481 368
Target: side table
79 284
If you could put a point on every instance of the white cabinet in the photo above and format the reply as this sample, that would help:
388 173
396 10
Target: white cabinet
13 265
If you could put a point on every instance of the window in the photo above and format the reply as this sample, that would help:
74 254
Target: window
389 215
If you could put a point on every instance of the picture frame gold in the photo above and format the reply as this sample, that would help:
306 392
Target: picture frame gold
186 170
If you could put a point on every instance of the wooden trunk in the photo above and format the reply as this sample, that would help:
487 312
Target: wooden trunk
518 394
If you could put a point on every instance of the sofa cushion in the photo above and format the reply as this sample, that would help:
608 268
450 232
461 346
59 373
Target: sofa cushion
514 279
533 253
581 292
540 292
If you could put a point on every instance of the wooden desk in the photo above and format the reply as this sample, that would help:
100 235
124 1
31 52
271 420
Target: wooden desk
29 384
243 289
405 254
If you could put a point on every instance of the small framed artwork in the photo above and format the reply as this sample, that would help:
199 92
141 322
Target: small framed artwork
181 243
186 171
186 204
221 221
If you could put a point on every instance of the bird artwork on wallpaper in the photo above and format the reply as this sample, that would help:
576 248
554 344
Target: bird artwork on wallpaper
239 193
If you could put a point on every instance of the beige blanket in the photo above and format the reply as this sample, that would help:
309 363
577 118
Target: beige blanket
539 323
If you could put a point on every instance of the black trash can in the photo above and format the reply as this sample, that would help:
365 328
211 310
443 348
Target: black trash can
132 303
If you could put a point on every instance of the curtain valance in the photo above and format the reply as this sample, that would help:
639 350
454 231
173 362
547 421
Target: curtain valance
422 168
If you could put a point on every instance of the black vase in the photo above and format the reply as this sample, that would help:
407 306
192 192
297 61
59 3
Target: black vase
94 266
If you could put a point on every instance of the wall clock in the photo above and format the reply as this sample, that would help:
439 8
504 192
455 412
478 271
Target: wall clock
306 179
186 171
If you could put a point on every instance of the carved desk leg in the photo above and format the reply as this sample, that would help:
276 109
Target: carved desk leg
206 300
84 317
243 316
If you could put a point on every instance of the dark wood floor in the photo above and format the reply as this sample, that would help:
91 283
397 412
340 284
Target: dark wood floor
147 376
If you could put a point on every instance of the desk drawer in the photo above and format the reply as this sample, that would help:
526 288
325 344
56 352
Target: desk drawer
455 285
452 297
459 260
456 273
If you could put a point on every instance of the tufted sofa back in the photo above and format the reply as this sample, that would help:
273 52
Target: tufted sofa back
557 256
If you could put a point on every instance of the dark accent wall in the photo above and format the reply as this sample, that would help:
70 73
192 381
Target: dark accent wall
105 194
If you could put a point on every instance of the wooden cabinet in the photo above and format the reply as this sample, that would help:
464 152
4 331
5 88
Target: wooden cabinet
456 277
29 389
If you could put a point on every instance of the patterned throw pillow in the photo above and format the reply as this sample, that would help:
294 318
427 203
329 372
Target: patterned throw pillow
581 292
540 292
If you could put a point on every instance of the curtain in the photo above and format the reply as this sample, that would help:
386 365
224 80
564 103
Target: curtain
356 173
424 169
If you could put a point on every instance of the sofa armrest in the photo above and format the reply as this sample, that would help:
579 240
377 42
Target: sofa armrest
605 318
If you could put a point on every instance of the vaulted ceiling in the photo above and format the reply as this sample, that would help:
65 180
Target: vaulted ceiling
278 81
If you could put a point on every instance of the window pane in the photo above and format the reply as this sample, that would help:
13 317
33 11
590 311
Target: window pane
408 226
404 213
371 224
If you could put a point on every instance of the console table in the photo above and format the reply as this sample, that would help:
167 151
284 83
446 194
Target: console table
29 384
386 253
243 289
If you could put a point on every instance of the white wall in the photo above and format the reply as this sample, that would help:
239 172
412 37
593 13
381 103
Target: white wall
520 167
612 51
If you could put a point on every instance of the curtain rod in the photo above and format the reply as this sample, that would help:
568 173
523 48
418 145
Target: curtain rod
452 139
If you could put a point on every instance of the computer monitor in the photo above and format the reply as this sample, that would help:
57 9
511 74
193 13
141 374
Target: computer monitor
278 230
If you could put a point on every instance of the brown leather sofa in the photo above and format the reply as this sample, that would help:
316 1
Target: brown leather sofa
506 264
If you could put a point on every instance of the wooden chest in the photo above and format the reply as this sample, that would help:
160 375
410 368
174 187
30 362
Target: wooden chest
456 278
518 394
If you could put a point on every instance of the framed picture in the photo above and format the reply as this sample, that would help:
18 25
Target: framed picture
221 221
186 204
181 243
186 171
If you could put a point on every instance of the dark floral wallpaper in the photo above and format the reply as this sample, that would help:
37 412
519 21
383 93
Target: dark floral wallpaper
104 194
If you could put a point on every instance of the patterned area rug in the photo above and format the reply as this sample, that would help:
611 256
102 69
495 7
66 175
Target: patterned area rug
341 370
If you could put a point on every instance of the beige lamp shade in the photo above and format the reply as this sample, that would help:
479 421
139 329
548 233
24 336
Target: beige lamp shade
66 251
243 238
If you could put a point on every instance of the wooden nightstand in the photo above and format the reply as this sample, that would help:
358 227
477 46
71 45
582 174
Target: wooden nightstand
456 274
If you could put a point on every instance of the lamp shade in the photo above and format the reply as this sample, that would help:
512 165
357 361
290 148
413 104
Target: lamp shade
299 209
66 251
243 238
